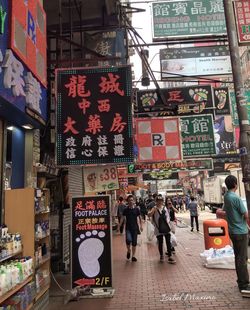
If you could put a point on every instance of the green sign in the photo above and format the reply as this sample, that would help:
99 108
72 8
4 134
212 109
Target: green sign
188 19
197 136
235 115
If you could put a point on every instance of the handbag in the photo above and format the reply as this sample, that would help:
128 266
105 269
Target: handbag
163 226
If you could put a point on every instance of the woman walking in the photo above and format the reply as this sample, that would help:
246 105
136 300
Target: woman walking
171 210
160 214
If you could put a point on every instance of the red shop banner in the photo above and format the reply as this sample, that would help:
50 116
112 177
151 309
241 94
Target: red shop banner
158 139
94 120
242 16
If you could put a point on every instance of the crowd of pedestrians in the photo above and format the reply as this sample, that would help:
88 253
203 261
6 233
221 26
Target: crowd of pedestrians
132 212
161 214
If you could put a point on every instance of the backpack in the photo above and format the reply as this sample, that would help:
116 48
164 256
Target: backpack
162 226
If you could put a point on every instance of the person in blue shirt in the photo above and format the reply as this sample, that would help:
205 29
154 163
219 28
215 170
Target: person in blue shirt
237 216
193 209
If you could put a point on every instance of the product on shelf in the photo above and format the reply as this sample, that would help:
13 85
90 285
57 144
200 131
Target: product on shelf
14 272
22 299
40 202
9 243
42 229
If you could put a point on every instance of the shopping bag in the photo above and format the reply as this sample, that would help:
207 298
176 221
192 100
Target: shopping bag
150 231
139 240
173 240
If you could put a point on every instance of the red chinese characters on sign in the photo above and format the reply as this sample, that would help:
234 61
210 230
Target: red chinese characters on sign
94 124
69 126
84 105
242 14
76 86
175 96
118 125
111 86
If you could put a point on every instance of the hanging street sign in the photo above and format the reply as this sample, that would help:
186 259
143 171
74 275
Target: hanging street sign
195 61
197 136
174 166
158 139
100 178
188 100
94 119
187 19
221 101
242 9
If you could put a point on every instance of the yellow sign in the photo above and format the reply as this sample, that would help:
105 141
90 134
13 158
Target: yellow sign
217 241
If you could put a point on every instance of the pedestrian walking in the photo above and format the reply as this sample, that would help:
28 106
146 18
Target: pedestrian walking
143 209
237 217
161 221
133 226
120 208
171 210
193 209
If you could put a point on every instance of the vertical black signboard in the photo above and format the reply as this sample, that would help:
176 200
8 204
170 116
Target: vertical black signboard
94 122
91 242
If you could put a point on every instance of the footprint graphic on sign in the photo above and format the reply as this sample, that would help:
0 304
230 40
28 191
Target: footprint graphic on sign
222 96
89 251
149 99
200 97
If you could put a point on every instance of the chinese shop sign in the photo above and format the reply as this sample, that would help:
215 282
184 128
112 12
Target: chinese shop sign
221 101
28 36
99 179
91 242
187 100
18 86
162 175
94 116
224 135
195 61
235 116
185 19
197 136
174 166
158 139
242 9
109 44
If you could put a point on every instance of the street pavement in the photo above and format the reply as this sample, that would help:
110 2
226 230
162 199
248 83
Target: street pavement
149 284
203 215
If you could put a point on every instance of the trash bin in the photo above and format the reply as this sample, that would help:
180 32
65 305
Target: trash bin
216 234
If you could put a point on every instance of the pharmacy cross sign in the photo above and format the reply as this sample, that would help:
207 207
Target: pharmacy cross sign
158 139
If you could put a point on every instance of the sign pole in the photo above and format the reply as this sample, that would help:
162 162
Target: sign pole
241 99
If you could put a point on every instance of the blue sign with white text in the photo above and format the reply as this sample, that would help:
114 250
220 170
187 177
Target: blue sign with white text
18 86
